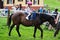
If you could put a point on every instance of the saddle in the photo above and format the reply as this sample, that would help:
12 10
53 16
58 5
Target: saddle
32 16
29 17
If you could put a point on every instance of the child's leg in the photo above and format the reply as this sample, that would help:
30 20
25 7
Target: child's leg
28 16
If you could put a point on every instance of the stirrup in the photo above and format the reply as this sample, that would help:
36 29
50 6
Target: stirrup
27 18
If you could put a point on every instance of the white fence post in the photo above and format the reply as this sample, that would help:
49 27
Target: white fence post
3 12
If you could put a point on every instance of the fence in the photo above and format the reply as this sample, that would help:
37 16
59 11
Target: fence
4 12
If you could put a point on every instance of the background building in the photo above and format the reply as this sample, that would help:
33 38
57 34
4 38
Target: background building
35 3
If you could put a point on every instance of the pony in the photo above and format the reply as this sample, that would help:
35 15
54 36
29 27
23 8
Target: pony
20 18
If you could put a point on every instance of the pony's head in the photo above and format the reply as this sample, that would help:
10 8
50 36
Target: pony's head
49 18
52 21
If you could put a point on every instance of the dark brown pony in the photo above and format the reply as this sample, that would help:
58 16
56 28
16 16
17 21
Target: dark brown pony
20 18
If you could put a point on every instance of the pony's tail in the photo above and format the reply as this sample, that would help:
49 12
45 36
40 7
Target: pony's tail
9 18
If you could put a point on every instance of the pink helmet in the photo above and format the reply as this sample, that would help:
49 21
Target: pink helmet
29 3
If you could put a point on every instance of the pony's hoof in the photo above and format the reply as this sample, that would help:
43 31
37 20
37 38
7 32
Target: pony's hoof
9 35
19 35
34 36
54 35
41 37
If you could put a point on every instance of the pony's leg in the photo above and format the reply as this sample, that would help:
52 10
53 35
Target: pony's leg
56 32
17 29
35 28
41 31
11 29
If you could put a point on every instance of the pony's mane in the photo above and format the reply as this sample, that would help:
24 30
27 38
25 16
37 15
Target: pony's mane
46 16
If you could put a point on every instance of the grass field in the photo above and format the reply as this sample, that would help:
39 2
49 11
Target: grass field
26 33
53 4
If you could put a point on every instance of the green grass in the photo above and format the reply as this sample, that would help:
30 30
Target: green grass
26 33
53 4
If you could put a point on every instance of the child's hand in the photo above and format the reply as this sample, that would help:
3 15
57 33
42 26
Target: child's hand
56 21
